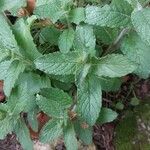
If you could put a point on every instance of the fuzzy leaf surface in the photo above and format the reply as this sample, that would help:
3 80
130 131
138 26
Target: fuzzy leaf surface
23 135
141 22
51 131
52 9
84 134
106 115
12 75
89 100
7 39
114 65
25 40
58 63
66 40
70 137
110 15
54 102
137 51
85 39
77 15
12 6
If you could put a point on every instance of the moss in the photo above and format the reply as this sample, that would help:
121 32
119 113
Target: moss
133 132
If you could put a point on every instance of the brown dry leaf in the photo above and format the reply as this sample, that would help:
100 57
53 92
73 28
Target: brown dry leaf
28 10
2 96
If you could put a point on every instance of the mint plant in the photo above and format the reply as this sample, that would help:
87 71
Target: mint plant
60 59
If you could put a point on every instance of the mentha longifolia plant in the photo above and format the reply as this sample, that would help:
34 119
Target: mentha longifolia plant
59 60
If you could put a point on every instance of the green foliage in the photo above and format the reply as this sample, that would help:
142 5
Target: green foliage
89 100
63 58
115 15
85 134
69 133
137 51
132 132
58 63
12 6
51 131
114 65
107 115
53 9
84 39
77 15
23 135
140 22
66 40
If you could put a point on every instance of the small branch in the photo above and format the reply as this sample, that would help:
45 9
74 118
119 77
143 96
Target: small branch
117 41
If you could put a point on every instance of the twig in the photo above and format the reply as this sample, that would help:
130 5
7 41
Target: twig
117 41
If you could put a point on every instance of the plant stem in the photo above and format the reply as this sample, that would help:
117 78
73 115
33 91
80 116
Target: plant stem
117 41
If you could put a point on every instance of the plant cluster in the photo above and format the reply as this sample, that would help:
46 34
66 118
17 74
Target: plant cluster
59 60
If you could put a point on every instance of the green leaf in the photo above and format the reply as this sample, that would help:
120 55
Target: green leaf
70 137
2 114
51 131
7 123
85 39
83 72
25 97
114 65
4 54
12 6
7 39
119 106
6 126
50 35
15 104
89 100
23 135
110 84
57 95
66 40
137 51
25 40
135 4
135 101
34 82
77 15
115 15
52 9
28 85
12 75
105 35
50 107
86 135
54 102
122 6
64 78
4 66
107 115
32 118
141 22
58 63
